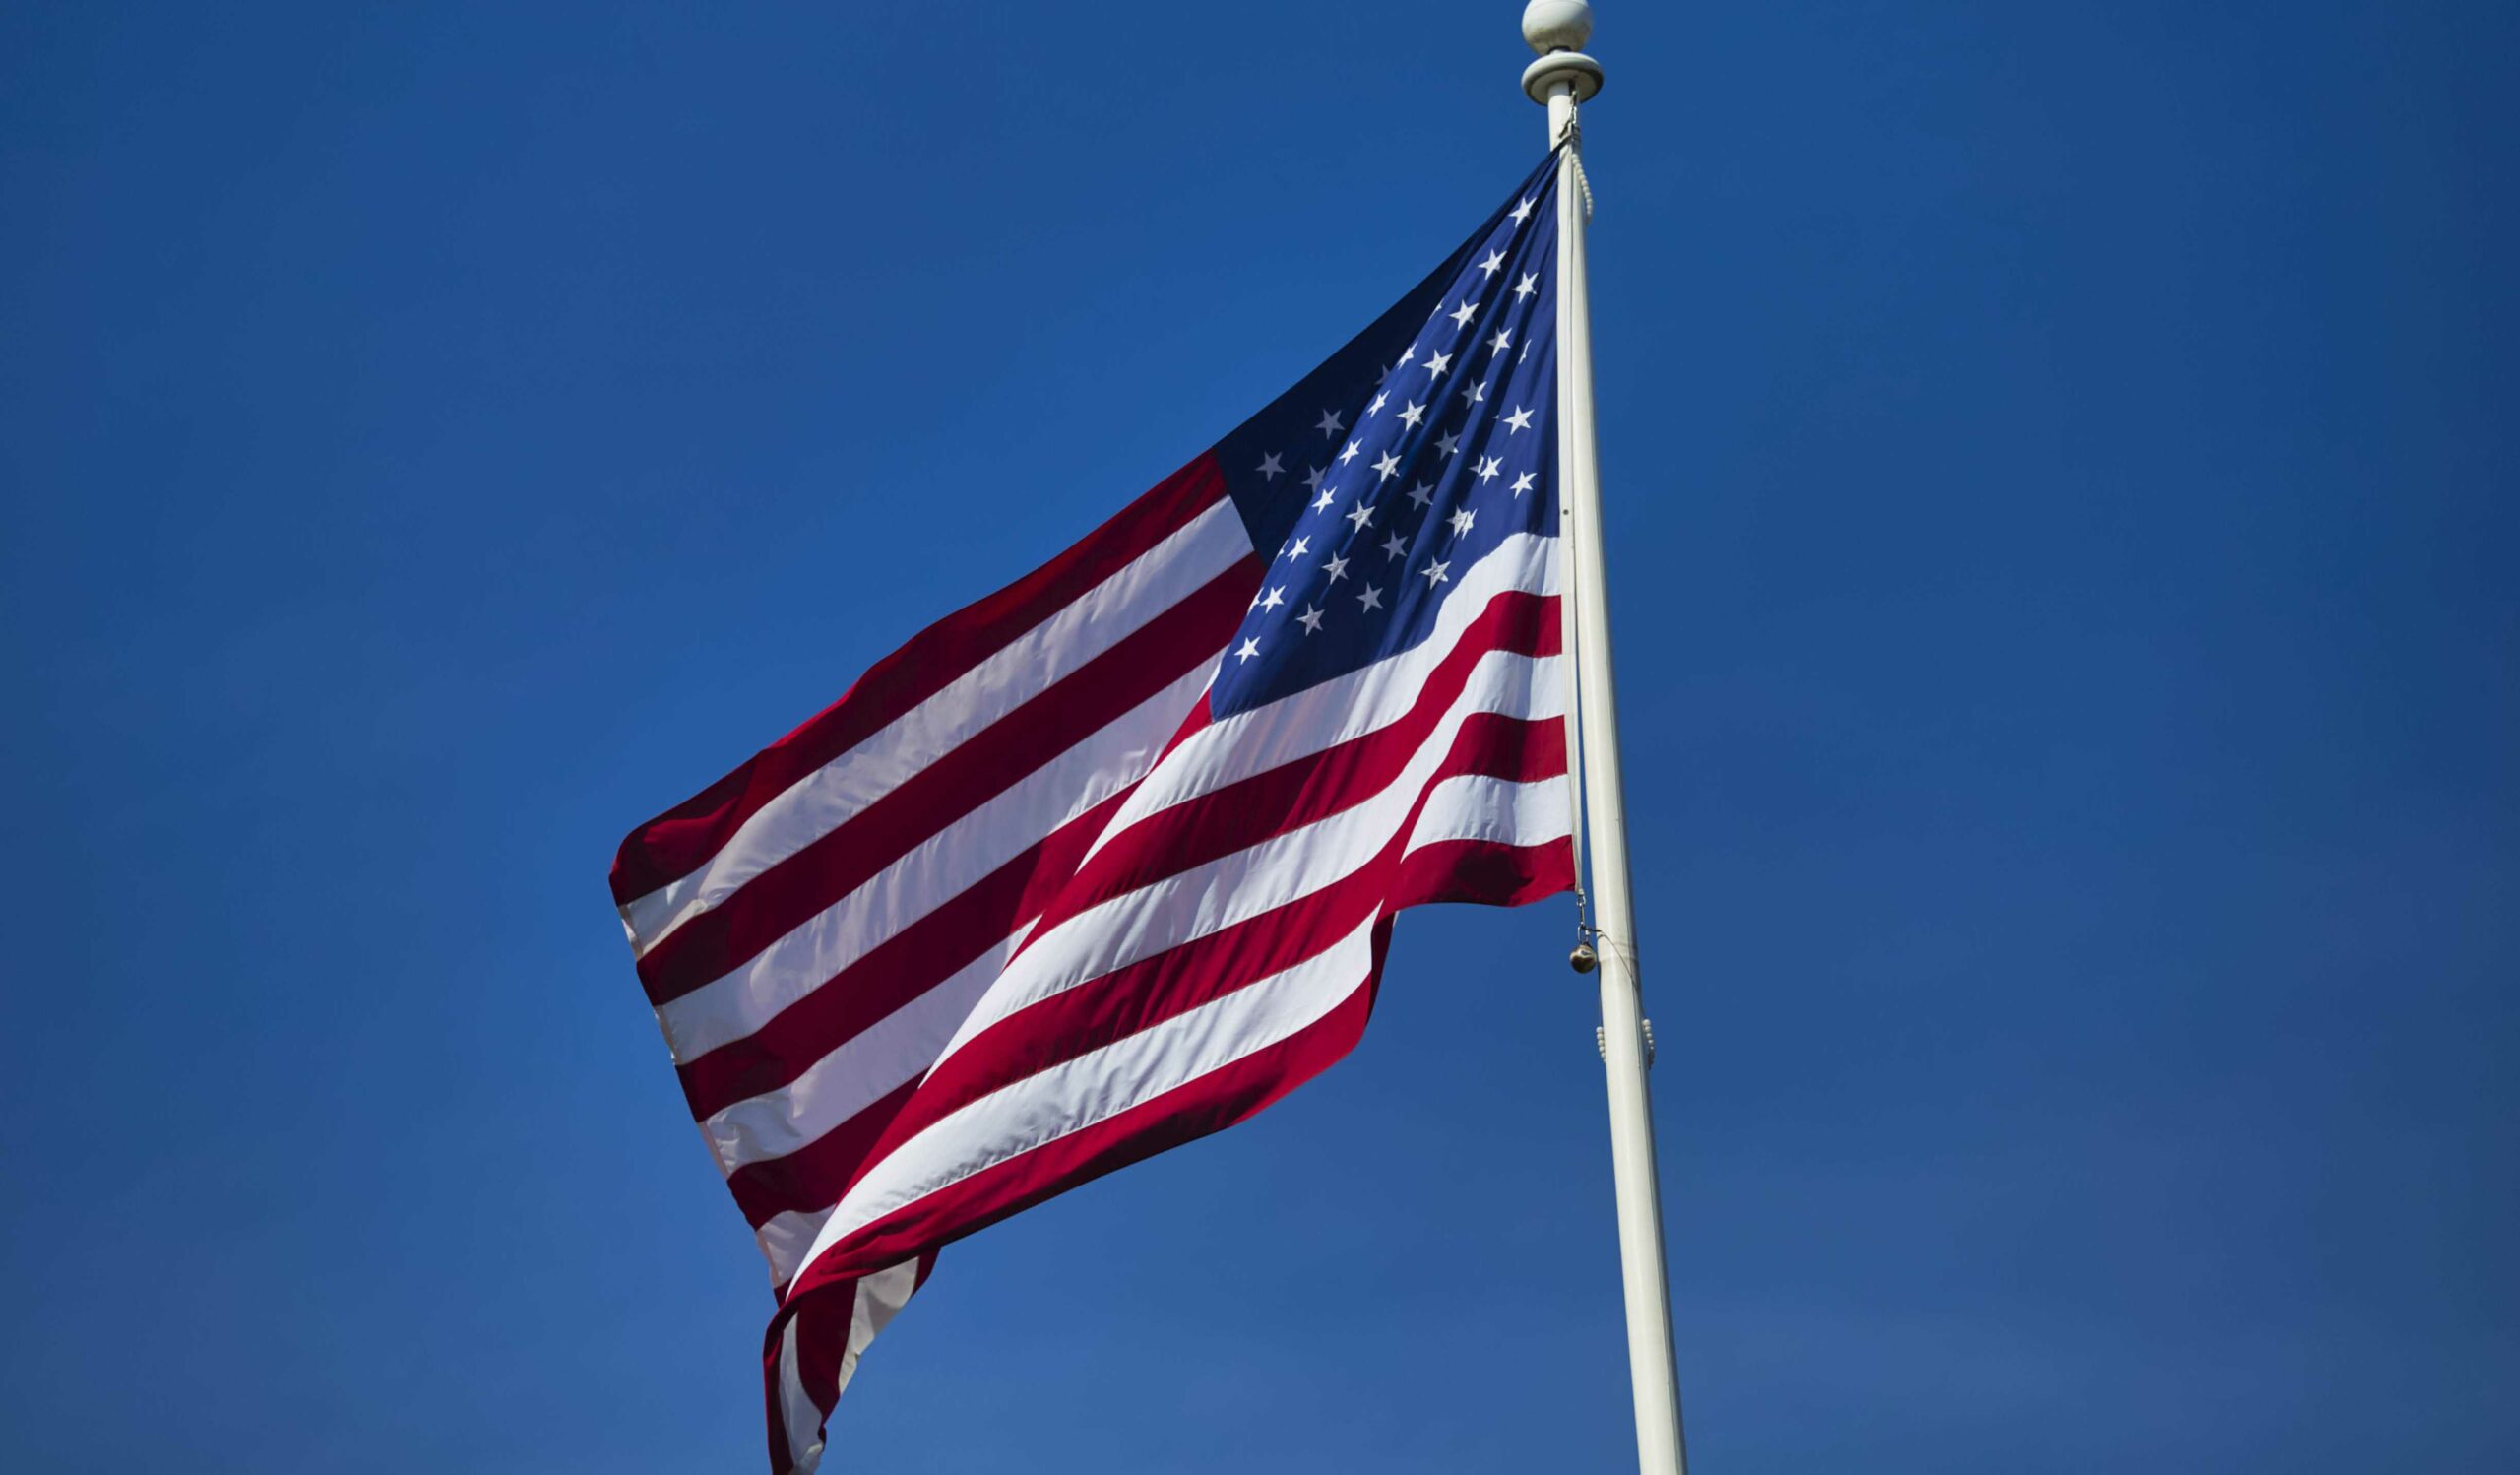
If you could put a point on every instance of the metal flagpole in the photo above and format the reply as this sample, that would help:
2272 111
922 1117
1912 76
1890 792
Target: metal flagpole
1563 78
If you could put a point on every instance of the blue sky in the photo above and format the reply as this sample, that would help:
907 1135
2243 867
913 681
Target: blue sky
2061 462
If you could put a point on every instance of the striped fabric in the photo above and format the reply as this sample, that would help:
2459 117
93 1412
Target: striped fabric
1108 860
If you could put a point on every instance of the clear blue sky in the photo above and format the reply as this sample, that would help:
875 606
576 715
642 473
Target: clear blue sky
2061 460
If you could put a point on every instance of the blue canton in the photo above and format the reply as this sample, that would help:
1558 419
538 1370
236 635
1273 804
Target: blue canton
1391 470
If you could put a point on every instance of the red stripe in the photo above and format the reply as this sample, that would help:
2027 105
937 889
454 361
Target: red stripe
679 841
1484 874
772 904
1138 996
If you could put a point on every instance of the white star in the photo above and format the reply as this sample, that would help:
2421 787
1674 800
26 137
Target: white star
1422 494
1349 454
1271 600
1526 286
1387 468
1378 404
1412 415
1330 425
1250 648
1523 212
1362 514
1270 467
1504 336
1434 573
1525 354
1520 421
1494 263
1310 620
1473 391
1325 499
1299 548
1394 547
1435 364
1461 315
1313 478
1489 468
1521 483
1338 567
1371 598
1405 354
1448 444
1460 521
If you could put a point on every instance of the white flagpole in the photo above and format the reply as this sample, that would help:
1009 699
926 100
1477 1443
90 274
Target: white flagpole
1563 78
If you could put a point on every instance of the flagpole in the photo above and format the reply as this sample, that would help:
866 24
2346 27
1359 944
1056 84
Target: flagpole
1563 78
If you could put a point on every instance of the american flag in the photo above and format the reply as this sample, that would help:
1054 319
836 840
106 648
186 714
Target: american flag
1108 860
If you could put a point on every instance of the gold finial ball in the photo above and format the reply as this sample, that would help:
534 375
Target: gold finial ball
1583 959
1557 25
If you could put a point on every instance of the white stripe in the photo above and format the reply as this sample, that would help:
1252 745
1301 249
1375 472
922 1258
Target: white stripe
785 1239
935 871
1070 1097
1204 899
1501 811
1343 708
880 1297
796 1408
820 801
868 1066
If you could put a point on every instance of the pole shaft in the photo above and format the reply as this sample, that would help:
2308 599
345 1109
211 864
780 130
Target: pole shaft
1651 1368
